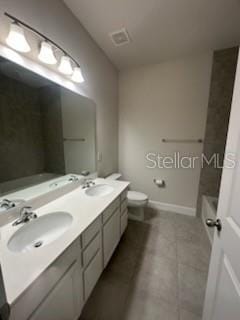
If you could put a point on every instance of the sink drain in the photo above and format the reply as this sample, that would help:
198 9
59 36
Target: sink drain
38 244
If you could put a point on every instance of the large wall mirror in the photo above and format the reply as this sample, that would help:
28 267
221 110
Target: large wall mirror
46 131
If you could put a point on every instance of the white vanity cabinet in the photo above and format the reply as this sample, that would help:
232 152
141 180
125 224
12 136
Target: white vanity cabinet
92 256
64 302
124 221
91 274
101 239
61 291
115 220
124 212
57 294
111 235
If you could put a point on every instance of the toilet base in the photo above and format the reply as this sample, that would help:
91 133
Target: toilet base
136 213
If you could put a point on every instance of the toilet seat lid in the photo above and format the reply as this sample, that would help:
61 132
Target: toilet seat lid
136 196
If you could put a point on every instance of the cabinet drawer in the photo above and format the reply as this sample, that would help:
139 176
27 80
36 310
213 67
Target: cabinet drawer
91 249
124 222
91 231
92 274
123 206
111 208
111 236
123 195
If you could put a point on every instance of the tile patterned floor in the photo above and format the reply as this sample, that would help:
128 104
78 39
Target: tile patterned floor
158 272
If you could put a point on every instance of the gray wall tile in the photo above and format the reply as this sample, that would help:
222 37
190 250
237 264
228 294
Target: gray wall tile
219 107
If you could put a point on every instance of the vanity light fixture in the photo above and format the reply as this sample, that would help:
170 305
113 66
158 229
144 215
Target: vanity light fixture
65 66
77 75
16 38
46 53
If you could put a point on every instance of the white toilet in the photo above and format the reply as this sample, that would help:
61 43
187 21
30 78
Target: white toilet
137 201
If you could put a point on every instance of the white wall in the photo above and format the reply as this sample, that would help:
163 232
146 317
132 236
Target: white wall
54 19
168 100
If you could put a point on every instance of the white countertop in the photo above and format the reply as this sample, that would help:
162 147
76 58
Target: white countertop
20 270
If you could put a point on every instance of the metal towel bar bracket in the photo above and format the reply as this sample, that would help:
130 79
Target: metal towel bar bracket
183 140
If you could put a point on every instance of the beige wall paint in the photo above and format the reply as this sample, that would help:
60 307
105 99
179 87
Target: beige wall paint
168 100
55 20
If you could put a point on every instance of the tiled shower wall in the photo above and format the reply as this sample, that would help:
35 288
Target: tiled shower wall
21 140
31 139
219 106
50 98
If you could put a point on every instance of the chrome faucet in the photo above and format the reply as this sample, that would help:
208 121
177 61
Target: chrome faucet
26 214
88 183
7 204
73 178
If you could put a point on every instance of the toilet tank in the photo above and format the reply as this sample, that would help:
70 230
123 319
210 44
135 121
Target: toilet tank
114 176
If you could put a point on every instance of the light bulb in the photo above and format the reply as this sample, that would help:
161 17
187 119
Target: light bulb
16 38
65 66
77 75
46 53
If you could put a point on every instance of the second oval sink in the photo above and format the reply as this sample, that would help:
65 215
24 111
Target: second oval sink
40 232
99 190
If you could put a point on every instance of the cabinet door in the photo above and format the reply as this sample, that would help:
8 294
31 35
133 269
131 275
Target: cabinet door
65 301
111 236
124 222
92 274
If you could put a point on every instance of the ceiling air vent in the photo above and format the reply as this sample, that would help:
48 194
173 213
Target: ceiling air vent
120 37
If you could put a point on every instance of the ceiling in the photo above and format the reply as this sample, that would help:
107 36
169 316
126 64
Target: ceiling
159 29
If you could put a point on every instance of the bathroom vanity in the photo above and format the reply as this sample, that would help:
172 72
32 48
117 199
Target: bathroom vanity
53 253
4 307
54 280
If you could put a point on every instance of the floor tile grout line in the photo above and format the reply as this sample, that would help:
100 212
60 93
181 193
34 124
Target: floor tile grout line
140 250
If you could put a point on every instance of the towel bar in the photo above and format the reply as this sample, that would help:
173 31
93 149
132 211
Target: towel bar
182 140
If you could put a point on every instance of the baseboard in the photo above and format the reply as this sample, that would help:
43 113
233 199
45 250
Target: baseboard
172 208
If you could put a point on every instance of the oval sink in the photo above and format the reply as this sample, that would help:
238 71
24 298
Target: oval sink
99 190
40 232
